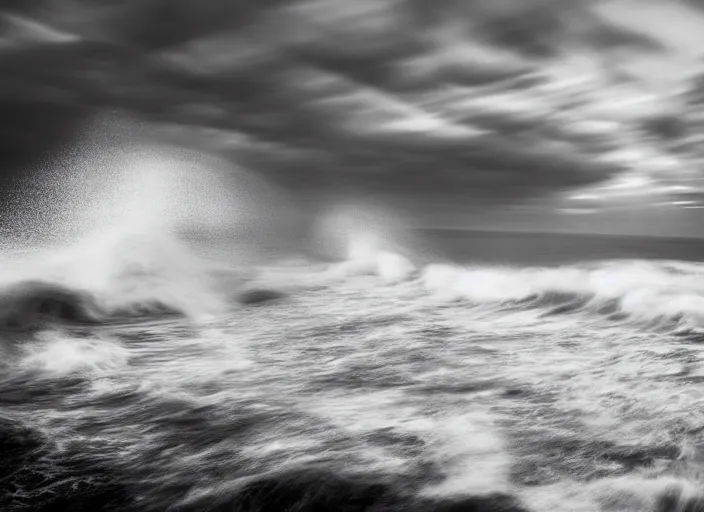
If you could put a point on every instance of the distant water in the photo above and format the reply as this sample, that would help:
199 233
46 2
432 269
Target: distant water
521 248
138 375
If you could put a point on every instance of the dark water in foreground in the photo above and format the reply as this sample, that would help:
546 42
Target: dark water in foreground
143 378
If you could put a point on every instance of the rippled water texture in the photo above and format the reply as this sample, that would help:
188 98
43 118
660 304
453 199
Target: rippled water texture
367 385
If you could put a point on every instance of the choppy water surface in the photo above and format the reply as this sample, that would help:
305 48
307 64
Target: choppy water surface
141 378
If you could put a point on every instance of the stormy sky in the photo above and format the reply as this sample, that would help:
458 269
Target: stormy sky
552 115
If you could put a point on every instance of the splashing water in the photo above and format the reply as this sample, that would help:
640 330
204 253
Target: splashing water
139 375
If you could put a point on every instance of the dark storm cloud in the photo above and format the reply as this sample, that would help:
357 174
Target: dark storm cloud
357 90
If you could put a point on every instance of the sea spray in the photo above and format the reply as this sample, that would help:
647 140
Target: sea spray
393 268
362 392
111 276
515 396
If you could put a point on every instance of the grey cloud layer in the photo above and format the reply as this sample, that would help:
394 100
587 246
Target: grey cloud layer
388 97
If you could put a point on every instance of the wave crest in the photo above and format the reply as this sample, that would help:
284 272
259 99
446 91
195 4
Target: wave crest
31 304
109 278
651 294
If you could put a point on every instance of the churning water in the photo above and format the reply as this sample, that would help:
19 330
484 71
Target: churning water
139 375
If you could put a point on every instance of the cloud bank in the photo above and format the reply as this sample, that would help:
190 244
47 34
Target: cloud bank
481 101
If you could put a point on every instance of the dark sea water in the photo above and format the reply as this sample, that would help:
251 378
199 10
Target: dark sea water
525 248
534 373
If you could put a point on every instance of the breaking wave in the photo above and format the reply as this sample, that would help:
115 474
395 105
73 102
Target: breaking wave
660 295
116 277
408 392
137 275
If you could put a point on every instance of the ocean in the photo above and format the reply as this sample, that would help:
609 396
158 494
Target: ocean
516 372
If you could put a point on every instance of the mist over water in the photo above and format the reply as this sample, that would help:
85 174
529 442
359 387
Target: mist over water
160 355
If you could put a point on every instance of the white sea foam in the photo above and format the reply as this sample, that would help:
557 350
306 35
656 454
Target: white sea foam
644 292
61 355
353 375
393 268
